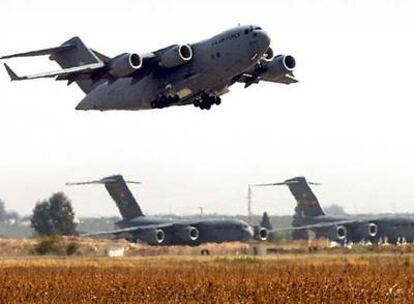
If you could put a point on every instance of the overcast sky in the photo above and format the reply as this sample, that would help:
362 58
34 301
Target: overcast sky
348 124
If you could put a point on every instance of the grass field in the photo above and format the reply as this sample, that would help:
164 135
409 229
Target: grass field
279 279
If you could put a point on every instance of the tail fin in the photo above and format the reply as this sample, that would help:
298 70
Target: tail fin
307 203
77 54
120 193
72 55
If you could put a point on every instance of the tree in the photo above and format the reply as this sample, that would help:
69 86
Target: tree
7 215
265 222
336 210
54 216
3 212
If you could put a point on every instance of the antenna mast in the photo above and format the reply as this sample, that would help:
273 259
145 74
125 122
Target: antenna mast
249 201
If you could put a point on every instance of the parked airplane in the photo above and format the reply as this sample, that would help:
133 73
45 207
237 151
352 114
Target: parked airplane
309 216
136 227
197 73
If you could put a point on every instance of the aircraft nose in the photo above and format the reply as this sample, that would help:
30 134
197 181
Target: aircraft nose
248 233
263 39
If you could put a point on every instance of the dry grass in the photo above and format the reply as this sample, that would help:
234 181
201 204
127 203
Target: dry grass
98 248
281 279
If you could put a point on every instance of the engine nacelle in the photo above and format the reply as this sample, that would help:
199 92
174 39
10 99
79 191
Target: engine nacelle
125 64
176 56
188 233
153 237
260 233
367 231
338 233
278 67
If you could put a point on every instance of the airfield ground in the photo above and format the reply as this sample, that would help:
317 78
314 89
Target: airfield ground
284 272
371 278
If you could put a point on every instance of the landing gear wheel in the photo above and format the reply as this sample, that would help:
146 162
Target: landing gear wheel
217 100
197 103
175 99
205 252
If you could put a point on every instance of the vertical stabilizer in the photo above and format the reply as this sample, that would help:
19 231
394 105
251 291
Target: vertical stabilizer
120 193
307 205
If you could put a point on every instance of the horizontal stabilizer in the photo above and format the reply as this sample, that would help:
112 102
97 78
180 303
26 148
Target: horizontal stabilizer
61 73
40 52
11 73
287 183
101 181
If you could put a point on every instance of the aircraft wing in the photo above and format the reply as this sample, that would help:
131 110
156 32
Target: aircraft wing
318 225
286 79
133 229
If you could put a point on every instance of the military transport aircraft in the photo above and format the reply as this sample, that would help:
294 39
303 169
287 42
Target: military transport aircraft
309 216
136 227
184 74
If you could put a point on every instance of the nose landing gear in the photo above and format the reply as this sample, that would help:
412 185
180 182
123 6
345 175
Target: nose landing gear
207 101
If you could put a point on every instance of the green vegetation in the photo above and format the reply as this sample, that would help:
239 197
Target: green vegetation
54 216
54 245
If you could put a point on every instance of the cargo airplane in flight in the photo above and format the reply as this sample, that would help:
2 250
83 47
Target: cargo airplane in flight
181 74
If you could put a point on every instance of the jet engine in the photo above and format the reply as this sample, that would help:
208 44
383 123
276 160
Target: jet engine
278 67
153 237
367 231
125 64
188 233
176 56
338 233
261 233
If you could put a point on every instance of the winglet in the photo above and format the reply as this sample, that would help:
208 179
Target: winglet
12 74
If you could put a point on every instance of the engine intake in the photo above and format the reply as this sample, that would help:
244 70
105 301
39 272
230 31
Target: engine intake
278 67
153 237
261 233
125 64
372 229
176 56
188 233
341 232
366 231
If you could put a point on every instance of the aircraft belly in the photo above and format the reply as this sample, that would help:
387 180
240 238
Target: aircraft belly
122 94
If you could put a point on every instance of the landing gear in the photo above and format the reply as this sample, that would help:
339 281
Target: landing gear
164 101
207 101
205 251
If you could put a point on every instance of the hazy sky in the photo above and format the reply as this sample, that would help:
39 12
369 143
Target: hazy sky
348 124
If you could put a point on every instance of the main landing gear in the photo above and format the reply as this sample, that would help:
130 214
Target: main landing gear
207 101
164 101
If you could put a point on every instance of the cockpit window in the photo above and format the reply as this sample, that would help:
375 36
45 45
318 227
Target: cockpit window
257 28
